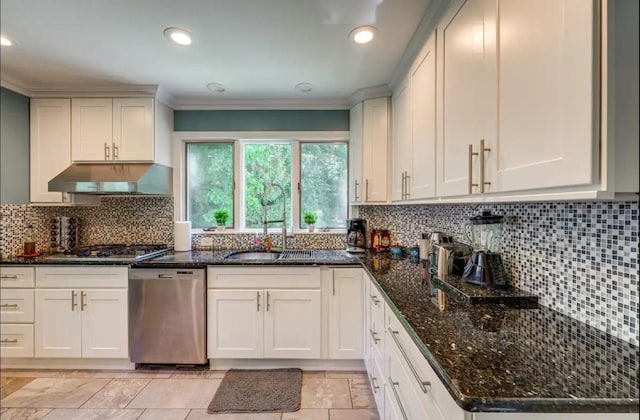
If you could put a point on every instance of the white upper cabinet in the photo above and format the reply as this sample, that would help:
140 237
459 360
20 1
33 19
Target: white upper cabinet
50 146
375 150
401 141
517 83
413 153
547 131
466 91
422 181
105 129
369 151
355 154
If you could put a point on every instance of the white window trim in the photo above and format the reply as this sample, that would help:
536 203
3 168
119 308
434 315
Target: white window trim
180 138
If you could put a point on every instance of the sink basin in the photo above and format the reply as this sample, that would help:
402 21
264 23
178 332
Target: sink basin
253 255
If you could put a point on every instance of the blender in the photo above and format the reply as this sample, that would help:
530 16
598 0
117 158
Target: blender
485 265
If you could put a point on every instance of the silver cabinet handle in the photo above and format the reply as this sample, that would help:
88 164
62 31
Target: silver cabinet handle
397 397
268 295
424 385
6 340
407 178
375 300
8 277
355 190
374 336
366 190
402 187
257 301
333 279
9 305
471 155
115 152
106 152
482 150
374 384
83 303
73 301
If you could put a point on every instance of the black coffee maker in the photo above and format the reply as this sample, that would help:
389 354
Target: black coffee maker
356 235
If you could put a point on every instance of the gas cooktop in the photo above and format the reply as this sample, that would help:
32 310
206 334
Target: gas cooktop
112 252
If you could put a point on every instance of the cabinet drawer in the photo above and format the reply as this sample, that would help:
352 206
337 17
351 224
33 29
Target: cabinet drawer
263 277
81 277
16 306
16 340
401 391
433 396
16 277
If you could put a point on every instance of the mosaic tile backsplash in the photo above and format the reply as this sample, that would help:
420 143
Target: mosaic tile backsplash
581 259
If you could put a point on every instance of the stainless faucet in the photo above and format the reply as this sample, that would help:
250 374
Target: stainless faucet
265 222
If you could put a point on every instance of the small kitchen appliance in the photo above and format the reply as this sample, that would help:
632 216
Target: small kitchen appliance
485 266
356 235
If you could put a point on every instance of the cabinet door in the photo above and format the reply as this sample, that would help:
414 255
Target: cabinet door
400 140
467 100
375 150
104 323
355 154
91 129
292 324
133 132
547 133
50 146
422 181
235 323
57 323
346 314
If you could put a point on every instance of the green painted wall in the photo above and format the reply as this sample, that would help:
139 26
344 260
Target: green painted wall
262 120
14 147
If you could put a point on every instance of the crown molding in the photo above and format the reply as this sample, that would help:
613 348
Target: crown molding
94 91
15 86
259 104
425 28
369 93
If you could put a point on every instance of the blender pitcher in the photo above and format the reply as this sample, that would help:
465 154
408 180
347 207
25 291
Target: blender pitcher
485 265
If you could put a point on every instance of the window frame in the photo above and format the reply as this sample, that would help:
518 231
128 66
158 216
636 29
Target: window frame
238 138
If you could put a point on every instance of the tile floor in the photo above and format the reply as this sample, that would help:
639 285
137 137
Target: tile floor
167 394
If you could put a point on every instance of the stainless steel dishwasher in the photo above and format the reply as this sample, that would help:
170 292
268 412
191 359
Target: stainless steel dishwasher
167 316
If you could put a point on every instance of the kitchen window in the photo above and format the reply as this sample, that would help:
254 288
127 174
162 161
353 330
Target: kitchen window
232 174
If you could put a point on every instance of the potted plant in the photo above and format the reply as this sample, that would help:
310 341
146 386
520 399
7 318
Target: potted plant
310 219
221 217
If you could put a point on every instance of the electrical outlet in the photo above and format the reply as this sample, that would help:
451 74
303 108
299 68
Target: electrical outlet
206 241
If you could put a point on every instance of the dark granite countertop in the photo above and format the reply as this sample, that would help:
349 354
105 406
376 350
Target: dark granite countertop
495 357
490 356
41 260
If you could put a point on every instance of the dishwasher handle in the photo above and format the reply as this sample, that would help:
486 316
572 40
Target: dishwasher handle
165 276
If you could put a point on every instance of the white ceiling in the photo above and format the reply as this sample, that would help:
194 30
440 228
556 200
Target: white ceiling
259 49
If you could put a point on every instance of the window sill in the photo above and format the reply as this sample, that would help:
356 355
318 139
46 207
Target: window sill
270 232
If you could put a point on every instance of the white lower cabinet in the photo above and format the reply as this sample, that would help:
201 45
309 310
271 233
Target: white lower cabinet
346 316
16 311
263 312
81 312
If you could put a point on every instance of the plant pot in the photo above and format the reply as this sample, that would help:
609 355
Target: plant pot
220 228
311 228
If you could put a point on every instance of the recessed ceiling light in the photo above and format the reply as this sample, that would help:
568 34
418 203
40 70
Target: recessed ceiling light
362 34
177 35
304 87
5 42
216 87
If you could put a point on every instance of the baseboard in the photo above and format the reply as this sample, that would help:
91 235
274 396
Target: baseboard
24 363
304 364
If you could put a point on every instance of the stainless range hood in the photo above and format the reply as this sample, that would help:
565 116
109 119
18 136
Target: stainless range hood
114 179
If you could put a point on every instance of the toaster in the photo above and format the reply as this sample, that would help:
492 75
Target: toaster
448 258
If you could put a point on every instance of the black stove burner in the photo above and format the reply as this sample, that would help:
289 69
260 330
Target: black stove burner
117 251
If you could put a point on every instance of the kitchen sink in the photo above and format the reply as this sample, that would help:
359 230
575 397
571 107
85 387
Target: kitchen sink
253 255
289 255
